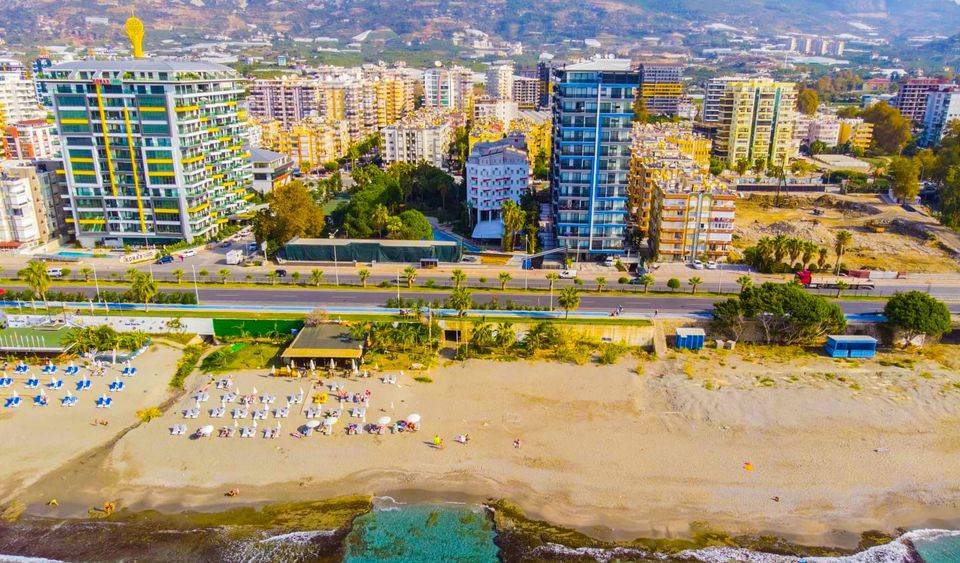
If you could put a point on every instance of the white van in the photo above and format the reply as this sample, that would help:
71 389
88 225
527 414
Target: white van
189 252
55 272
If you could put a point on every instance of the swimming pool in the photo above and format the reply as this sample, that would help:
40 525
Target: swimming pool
77 254
443 235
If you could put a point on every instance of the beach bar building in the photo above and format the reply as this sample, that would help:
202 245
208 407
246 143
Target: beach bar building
851 346
325 345
690 338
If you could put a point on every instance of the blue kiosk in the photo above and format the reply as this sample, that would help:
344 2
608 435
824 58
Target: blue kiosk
690 338
851 346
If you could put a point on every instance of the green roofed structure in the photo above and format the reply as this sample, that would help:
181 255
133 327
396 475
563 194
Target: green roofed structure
364 250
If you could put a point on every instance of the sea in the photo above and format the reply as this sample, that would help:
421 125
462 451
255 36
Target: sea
394 533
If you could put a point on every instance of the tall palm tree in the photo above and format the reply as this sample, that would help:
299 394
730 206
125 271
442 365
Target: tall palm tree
504 278
809 248
363 274
744 282
601 283
143 288
458 277
764 253
178 275
316 277
779 249
35 275
409 275
460 300
646 280
552 277
86 272
224 273
840 244
569 299
694 282
794 250
822 253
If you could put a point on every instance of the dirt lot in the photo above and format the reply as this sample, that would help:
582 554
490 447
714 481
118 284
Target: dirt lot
902 247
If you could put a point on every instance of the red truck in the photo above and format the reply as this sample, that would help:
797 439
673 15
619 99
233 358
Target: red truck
806 278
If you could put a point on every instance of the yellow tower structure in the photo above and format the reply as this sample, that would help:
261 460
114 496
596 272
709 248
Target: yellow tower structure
134 29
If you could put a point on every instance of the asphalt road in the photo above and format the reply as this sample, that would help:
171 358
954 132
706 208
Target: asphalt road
321 298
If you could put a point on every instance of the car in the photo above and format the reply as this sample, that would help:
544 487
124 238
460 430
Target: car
712 265
280 273
470 260
55 272
226 244
635 281
609 261
189 252
568 274
164 260
252 247
697 265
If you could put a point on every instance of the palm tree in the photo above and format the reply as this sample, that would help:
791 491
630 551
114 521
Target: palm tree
840 244
482 335
694 282
646 280
506 336
131 273
779 249
178 274
143 288
765 253
316 276
272 276
295 276
86 272
794 250
203 273
504 278
363 275
569 299
224 273
822 253
409 275
601 283
744 282
35 275
552 277
379 218
809 249
458 278
460 300
742 166
841 287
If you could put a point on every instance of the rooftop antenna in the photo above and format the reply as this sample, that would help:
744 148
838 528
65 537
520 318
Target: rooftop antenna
134 29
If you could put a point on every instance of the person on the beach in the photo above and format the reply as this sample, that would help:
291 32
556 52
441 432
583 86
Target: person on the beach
517 443
437 442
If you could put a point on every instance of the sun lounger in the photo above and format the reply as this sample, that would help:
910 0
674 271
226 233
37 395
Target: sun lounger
218 412
33 383
203 397
6 381
83 385
281 413
39 401
359 413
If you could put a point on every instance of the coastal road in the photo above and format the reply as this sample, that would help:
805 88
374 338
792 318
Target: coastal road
680 304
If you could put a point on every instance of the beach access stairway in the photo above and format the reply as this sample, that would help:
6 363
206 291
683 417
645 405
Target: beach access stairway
659 339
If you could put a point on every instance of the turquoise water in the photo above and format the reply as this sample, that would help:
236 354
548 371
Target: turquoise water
72 254
422 533
945 549
443 235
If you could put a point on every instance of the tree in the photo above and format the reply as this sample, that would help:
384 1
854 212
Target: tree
822 253
926 161
272 276
224 273
728 318
840 244
458 277
788 314
759 165
143 288
295 276
915 313
291 212
646 280
673 284
379 218
394 227
506 336
552 277
639 108
601 283
694 282
36 277
504 278
178 275
742 166
316 276
950 199
201 273
568 300
890 130
86 272
460 300
841 287
513 218
905 178
808 101
409 275
744 281
817 147
414 226
363 274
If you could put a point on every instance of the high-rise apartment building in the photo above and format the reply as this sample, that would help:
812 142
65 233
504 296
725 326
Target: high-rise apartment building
30 140
661 87
545 75
942 107
27 210
18 94
911 98
592 114
285 99
693 219
500 80
757 119
310 142
503 111
424 136
713 94
448 88
526 92
497 172
153 150
857 132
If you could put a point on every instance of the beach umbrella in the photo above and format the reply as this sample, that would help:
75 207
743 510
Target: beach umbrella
383 420
207 430
330 420
414 418
254 391
313 423
42 392
15 394
313 364
53 380
114 356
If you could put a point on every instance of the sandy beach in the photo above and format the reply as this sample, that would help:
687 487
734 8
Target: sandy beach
834 447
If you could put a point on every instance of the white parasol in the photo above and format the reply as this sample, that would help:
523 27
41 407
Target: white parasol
313 423
207 430
414 418
383 420
330 421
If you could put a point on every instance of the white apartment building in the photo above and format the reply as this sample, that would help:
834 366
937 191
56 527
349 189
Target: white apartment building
22 205
526 91
713 93
500 80
943 106
18 94
31 140
502 110
824 128
421 137
496 172
448 88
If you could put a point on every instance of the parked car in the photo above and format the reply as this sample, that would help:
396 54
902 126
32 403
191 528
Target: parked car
568 274
712 265
226 244
470 259
189 252
609 261
697 265
164 259
635 281
281 273
55 272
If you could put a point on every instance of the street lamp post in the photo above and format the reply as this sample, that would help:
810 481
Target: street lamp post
720 280
196 289
96 282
